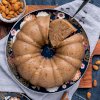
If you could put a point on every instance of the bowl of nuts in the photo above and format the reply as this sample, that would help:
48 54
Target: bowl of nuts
11 10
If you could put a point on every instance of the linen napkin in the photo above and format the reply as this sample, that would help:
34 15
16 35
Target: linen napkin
88 17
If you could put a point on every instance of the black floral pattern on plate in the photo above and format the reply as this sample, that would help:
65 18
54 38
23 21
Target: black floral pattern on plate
54 14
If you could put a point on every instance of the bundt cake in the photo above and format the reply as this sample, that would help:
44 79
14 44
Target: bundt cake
59 30
46 53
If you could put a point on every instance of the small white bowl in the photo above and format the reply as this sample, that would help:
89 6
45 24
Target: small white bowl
15 18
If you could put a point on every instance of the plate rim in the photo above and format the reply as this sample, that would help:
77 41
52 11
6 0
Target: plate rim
20 83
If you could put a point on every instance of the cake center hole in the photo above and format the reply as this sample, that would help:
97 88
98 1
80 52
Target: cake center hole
48 51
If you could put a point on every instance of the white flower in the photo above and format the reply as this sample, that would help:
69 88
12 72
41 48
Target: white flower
82 66
15 33
61 15
42 14
64 86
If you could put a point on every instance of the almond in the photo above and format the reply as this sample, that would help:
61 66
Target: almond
4 2
7 17
95 83
22 4
16 6
3 15
11 12
11 16
13 1
97 62
15 14
20 10
7 11
88 95
9 7
3 8
95 67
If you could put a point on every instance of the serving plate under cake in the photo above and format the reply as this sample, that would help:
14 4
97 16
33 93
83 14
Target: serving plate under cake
54 15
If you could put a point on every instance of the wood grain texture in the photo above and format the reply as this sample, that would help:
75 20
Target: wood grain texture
37 7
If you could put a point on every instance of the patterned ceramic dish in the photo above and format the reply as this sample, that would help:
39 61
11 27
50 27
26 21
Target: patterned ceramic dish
54 15
12 96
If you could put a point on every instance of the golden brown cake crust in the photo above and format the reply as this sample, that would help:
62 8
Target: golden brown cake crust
75 50
31 29
38 69
59 30
43 23
21 48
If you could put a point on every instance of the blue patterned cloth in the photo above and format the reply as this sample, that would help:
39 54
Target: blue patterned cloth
56 2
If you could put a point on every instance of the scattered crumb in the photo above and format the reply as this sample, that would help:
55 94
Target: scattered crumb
88 95
95 83
95 67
